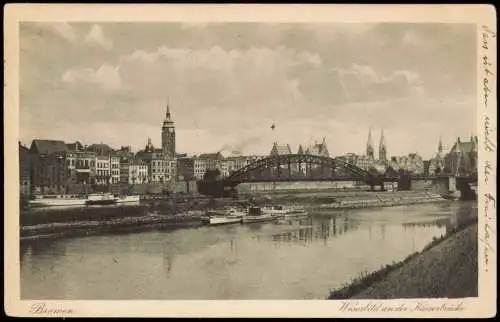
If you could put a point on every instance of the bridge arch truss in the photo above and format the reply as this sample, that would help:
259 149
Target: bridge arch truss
337 167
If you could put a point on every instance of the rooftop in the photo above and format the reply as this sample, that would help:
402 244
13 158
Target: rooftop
47 146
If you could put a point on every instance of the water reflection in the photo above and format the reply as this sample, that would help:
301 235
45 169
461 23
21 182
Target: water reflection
316 229
234 261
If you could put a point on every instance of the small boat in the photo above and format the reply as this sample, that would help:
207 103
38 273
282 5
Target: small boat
274 210
255 214
105 199
127 199
230 216
279 210
58 200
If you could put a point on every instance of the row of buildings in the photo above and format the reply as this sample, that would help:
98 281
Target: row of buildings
53 165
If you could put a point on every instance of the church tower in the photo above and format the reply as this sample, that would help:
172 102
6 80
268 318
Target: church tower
168 136
440 147
369 145
382 149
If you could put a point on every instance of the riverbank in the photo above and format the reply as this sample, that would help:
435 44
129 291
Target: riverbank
446 268
73 222
115 225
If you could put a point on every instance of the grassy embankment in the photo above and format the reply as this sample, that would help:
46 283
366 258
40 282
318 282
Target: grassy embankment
445 268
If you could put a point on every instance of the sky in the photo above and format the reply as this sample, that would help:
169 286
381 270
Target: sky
228 83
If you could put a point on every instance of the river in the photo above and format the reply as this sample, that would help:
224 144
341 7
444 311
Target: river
299 260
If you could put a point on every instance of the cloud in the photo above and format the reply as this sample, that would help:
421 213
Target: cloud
227 83
67 31
62 29
96 36
106 76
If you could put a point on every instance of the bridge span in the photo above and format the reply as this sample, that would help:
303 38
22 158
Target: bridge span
304 167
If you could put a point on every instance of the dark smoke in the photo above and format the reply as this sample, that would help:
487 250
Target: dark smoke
238 147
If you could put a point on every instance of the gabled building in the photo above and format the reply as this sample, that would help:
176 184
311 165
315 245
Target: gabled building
46 147
100 149
280 149
24 170
462 158
319 149
49 172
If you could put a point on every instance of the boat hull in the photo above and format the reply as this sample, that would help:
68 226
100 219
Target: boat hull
224 221
128 199
101 202
57 202
252 219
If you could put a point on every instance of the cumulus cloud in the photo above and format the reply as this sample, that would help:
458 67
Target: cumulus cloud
228 83
63 29
106 76
96 36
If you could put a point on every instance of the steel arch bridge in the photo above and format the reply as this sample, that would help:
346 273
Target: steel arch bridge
254 171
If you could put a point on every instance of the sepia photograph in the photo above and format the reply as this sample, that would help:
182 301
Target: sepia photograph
333 161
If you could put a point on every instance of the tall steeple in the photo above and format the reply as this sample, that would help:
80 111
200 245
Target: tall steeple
168 135
440 146
382 150
369 144
167 116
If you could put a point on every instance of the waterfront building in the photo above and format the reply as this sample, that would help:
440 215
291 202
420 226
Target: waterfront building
115 168
125 169
138 172
75 146
462 158
48 166
100 149
185 168
24 170
199 167
156 162
103 169
85 167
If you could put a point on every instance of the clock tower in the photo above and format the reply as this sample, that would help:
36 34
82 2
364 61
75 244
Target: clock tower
168 136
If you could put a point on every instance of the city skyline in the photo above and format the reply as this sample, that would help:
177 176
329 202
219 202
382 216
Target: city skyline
227 84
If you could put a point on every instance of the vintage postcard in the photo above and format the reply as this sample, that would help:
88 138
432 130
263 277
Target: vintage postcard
250 160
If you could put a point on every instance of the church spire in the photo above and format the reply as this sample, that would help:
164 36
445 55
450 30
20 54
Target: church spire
440 145
382 150
382 139
369 145
168 112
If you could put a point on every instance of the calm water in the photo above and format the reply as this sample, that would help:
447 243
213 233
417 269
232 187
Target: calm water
302 260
